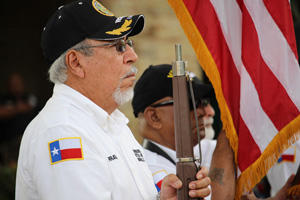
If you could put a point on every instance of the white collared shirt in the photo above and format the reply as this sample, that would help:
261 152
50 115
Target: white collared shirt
111 166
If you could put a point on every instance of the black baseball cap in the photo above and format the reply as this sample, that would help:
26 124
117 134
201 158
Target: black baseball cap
82 19
156 83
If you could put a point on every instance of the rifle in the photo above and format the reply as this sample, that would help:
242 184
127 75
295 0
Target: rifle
186 168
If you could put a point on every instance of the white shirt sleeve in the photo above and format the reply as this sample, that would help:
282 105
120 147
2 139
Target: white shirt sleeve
68 179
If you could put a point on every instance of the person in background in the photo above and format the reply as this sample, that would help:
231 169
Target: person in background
153 106
287 164
208 121
17 109
280 195
79 146
280 177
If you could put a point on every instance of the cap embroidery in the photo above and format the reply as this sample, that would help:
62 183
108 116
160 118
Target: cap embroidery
170 75
123 28
101 9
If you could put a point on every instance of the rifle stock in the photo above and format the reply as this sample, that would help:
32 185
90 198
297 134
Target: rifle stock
186 168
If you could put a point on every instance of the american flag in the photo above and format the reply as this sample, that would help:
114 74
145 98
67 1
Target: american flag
247 49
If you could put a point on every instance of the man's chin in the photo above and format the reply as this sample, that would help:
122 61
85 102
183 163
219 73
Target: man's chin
121 97
209 132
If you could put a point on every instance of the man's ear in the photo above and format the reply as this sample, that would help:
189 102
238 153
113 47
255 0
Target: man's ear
73 62
152 118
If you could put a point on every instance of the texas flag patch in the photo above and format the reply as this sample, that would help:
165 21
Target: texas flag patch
65 149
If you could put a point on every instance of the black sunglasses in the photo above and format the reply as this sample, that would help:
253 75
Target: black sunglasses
120 45
203 102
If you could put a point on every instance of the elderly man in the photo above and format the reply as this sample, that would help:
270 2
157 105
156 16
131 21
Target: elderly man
79 146
153 105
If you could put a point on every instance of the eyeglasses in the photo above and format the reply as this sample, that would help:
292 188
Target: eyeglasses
203 102
120 45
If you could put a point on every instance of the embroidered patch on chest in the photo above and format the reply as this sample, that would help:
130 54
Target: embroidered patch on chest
65 149
112 158
138 154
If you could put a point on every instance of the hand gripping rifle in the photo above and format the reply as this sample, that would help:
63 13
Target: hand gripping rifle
186 167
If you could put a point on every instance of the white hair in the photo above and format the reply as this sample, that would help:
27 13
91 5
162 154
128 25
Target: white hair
209 130
57 72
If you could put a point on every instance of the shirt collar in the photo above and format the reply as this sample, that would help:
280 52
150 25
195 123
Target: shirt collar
87 106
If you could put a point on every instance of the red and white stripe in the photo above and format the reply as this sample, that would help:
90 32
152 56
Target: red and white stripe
252 43
70 148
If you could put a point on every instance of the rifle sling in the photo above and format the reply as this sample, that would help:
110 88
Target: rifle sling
154 148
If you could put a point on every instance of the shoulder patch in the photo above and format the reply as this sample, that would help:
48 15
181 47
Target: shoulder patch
65 149
158 178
